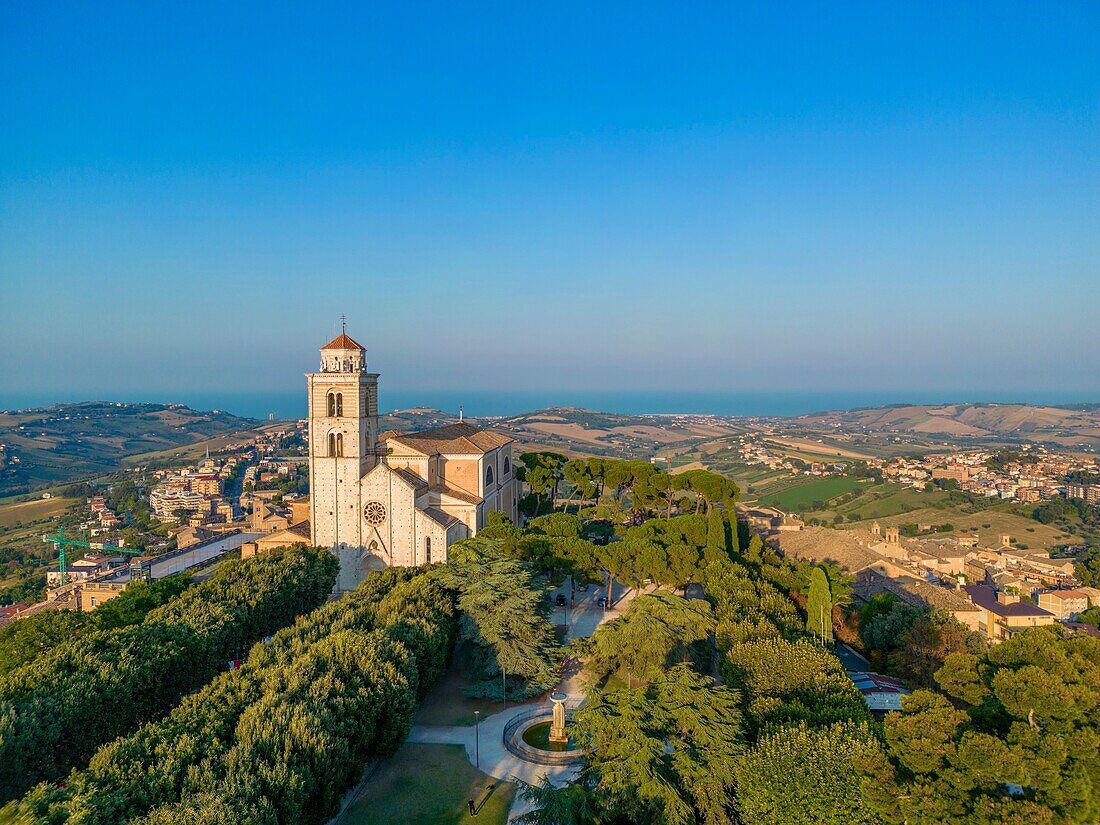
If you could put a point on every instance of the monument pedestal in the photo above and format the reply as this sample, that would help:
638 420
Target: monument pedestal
557 723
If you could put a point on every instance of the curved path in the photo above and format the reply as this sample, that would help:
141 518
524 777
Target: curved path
484 743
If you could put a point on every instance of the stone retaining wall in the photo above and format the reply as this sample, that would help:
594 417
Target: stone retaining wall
513 740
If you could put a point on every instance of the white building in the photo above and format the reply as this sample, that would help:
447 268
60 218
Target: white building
382 499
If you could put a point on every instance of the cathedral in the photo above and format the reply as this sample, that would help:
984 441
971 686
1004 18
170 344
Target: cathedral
392 498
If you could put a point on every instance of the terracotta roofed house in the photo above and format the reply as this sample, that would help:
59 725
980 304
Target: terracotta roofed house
1003 614
1064 604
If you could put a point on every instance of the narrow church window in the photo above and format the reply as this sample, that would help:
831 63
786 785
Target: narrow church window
336 444
488 476
428 549
507 465
339 404
332 405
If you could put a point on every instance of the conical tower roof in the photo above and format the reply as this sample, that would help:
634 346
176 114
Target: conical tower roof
343 341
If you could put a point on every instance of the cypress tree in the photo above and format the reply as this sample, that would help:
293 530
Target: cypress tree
734 538
717 548
819 607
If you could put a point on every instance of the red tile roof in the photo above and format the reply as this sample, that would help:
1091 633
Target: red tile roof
461 438
986 597
343 341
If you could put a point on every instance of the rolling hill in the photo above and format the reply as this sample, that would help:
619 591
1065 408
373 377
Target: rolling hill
67 441
1061 426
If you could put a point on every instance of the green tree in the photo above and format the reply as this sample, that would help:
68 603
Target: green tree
1026 716
138 599
913 642
569 804
663 753
58 709
280 739
655 628
808 775
579 475
1087 568
717 541
507 639
24 639
819 607
1090 616
790 682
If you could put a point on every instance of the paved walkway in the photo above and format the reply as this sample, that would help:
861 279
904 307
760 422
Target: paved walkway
484 742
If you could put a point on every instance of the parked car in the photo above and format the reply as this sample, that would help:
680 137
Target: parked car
601 601
560 600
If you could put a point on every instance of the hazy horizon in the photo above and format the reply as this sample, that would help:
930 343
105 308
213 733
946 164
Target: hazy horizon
287 404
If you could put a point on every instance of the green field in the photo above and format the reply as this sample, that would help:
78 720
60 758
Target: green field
800 497
892 499
71 441
429 785
28 511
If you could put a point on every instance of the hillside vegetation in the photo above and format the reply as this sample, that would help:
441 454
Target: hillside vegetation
68 441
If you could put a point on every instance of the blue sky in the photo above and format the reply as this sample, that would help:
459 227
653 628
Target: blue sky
723 197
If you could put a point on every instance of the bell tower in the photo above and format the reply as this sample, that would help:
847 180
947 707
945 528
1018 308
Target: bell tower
343 431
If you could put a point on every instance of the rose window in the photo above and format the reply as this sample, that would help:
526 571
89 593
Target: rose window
374 512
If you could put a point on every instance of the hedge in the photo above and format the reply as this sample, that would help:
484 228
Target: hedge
280 738
58 709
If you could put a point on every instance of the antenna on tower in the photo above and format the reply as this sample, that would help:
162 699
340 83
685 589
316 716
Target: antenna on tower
343 325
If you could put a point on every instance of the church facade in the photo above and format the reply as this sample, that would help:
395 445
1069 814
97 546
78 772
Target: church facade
380 499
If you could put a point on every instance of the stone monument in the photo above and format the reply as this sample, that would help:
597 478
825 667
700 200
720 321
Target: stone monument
557 724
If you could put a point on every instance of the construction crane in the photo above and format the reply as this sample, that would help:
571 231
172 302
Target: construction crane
61 541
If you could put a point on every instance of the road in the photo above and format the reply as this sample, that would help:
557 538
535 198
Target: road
585 615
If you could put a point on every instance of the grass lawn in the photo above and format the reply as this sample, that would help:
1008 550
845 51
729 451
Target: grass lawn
448 705
798 498
429 785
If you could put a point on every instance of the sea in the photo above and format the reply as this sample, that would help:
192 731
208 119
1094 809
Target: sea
291 403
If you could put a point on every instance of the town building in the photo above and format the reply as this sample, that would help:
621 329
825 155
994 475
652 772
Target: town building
1064 604
1003 614
167 500
881 693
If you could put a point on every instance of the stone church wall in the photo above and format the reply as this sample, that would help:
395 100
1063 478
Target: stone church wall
463 474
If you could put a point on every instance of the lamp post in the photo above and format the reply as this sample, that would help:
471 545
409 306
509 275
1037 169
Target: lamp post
477 739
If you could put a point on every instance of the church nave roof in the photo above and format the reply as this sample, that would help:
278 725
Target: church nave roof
460 438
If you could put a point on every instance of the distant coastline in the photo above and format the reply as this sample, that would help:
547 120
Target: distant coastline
290 404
